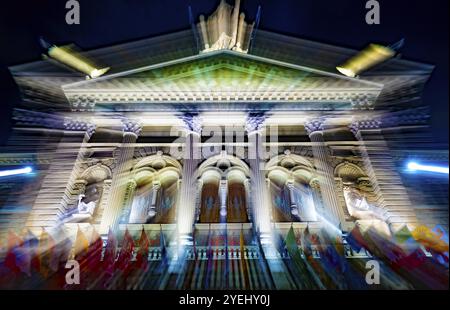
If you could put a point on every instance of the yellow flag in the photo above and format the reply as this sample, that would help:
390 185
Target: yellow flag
81 244
429 239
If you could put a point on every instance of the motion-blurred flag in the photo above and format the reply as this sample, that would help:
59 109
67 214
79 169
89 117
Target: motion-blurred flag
403 235
110 253
142 254
46 250
126 251
94 254
429 239
25 253
13 244
356 240
310 279
81 247
243 261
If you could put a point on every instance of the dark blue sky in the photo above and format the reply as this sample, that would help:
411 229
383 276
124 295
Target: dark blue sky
424 25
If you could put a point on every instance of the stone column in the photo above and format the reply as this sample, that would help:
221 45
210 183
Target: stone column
156 186
248 199
198 198
322 160
116 200
58 190
387 184
186 207
293 204
223 191
260 194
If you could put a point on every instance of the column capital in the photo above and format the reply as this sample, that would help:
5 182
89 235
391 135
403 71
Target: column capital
192 122
255 122
79 125
315 125
364 124
314 184
131 126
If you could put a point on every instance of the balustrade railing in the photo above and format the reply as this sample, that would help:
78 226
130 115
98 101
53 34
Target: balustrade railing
234 253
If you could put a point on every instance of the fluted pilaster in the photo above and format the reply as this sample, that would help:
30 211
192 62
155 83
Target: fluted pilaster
260 195
116 201
387 184
186 208
322 160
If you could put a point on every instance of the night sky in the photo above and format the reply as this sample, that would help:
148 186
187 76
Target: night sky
423 24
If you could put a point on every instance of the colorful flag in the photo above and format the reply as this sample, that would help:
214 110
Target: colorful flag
81 247
162 244
280 244
13 244
356 240
46 251
110 253
33 245
25 253
142 254
403 235
126 252
61 253
310 280
209 255
429 239
94 254
227 261
243 261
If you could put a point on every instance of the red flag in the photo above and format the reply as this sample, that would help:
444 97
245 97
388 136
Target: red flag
126 251
142 254
94 254
110 253
356 240
10 261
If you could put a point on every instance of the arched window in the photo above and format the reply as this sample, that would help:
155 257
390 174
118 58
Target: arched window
210 201
236 197
289 177
153 191
224 190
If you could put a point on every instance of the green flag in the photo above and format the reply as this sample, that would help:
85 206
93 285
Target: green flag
403 235
309 279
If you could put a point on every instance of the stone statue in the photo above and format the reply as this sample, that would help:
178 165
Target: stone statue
85 208
358 207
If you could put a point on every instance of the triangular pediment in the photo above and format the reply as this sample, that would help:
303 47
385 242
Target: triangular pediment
222 76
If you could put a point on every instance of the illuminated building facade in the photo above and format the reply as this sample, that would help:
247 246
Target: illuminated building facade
219 133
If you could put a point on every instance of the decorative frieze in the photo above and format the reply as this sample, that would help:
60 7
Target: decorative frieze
366 124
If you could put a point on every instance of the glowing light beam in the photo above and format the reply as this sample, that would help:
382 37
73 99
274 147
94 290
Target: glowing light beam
6 173
413 166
